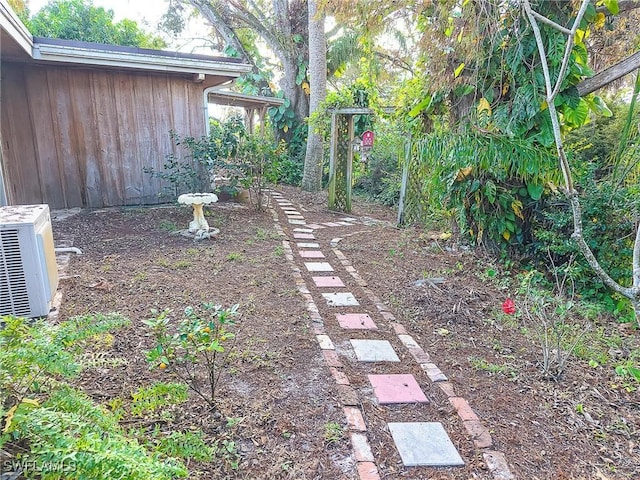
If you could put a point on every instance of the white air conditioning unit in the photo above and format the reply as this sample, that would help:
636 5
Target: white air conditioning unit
28 269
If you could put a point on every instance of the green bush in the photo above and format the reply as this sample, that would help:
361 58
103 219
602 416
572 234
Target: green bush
489 184
200 342
202 158
380 177
55 431
608 221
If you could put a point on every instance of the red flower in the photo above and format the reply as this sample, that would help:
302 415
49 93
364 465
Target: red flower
509 307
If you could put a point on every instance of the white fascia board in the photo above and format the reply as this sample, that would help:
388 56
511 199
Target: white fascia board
15 28
84 56
222 94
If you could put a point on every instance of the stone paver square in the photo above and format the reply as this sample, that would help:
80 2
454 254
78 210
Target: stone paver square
318 266
311 254
297 222
424 444
304 236
356 321
291 212
374 351
340 299
306 244
398 388
303 230
327 281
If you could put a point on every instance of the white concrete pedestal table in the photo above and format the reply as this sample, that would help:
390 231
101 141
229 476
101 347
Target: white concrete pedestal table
199 224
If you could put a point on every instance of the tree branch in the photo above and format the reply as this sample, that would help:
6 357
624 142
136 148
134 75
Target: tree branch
611 74
550 22
569 46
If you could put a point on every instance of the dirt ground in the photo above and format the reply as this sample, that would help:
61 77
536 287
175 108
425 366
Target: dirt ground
278 391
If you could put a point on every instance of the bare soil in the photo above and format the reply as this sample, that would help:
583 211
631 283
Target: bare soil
277 387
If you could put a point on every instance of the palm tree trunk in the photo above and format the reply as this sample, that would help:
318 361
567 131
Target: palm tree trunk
312 177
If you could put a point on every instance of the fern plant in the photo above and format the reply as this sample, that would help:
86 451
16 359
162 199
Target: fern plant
52 430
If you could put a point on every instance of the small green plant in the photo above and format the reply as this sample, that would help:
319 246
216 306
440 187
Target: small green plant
181 265
140 276
629 370
278 251
492 368
159 395
168 226
198 343
264 234
233 256
333 432
227 451
188 445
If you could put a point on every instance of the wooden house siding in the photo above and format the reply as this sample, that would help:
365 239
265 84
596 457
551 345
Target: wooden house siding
76 137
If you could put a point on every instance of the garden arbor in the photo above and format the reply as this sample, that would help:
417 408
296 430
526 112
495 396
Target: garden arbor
341 155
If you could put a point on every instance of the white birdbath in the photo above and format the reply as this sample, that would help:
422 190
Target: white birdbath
197 201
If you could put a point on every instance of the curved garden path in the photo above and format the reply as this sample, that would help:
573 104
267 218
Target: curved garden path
370 355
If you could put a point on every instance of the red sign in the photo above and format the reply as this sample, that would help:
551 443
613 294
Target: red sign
367 139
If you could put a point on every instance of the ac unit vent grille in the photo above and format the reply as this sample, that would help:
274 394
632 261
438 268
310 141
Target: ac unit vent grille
14 298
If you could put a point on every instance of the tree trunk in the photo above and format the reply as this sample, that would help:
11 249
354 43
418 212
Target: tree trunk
312 178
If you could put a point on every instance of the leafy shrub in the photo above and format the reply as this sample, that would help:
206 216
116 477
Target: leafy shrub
607 223
203 158
53 430
490 184
380 177
199 340
158 395
185 445
71 436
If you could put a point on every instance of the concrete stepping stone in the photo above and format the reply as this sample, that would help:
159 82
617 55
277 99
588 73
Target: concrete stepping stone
340 299
374 351
348 219
331 224
355 321
303 230
304 236
291 212
306 244
396 388
311 254
315 226
327 281
318 266
424 444
297 222
295 217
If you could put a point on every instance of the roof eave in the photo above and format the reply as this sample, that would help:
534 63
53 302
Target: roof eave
136 61
15 28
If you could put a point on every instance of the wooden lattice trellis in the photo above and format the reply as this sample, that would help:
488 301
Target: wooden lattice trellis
413 194
340 166
341 156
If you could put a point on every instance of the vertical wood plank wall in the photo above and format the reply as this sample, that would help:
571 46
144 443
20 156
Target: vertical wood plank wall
81 138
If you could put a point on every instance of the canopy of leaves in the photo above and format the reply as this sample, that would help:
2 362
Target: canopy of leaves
80 20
